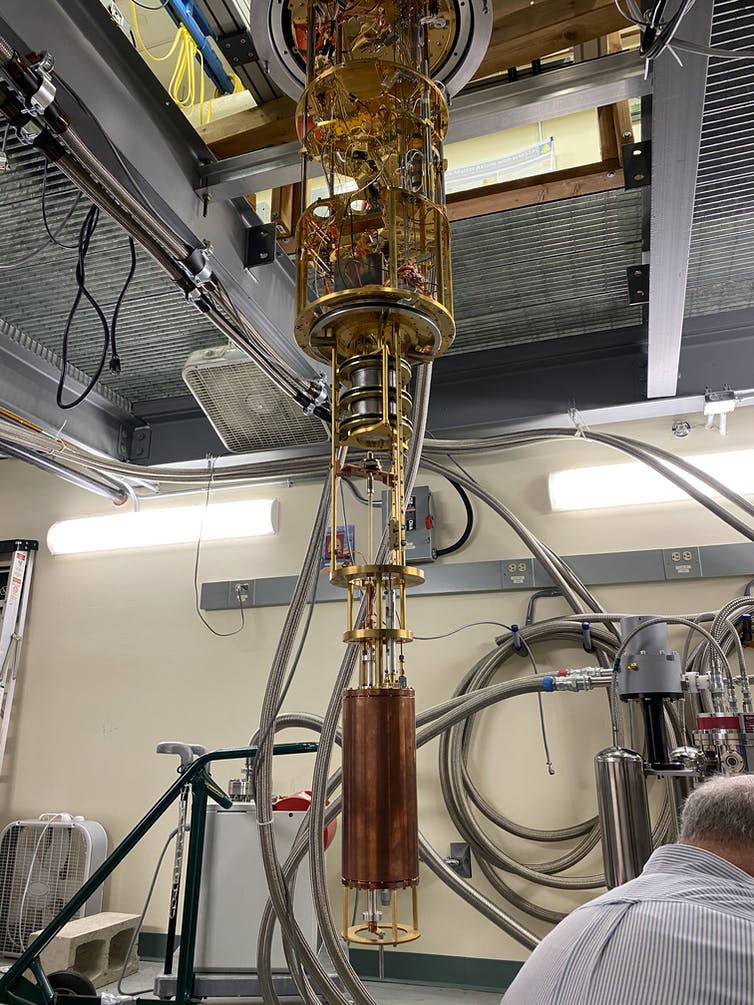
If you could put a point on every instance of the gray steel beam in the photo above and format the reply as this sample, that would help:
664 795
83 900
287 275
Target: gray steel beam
28 378
477 112
575 88
677 108
99 63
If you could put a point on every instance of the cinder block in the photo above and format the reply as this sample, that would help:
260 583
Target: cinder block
94 947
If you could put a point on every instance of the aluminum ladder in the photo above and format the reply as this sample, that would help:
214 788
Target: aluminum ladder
16 567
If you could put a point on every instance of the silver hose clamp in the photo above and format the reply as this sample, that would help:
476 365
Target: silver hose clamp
197 267
318 390
44 96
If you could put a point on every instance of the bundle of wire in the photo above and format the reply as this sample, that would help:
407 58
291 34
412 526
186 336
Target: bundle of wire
659 24
187 84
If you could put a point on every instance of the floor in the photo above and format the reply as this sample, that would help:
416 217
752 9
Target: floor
386 993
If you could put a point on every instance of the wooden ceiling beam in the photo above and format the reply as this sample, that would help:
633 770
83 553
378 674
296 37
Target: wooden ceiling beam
518 37
543 28
568 184
267 125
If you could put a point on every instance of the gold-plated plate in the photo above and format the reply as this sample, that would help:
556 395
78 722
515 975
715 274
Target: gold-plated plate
417 317
378 635
405 933
390 575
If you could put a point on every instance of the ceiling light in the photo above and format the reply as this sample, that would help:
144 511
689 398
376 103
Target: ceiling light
636 484
153 528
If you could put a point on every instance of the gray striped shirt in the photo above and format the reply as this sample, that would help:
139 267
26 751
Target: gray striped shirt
682 933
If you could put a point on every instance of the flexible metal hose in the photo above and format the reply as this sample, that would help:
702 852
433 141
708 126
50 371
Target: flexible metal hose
296 948
6 52
641 451
479 676
146 219
306 467
117 494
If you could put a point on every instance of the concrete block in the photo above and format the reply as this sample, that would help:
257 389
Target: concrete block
95 947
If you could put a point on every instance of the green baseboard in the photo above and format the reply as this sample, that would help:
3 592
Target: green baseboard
152 945
400 966
429 968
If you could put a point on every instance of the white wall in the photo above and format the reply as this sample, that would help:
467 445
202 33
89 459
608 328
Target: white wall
116 660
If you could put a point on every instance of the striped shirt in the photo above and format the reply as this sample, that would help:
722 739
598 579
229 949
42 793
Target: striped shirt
682 933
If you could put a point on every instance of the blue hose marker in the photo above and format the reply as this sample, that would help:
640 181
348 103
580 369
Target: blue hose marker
518 642
587 640
548 683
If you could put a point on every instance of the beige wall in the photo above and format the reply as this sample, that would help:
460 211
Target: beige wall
576 136
116 660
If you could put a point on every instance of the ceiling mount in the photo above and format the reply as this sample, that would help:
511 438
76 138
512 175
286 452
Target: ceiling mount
276 27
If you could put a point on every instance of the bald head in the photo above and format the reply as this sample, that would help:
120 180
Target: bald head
719 817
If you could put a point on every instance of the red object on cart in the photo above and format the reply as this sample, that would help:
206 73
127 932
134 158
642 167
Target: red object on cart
302 801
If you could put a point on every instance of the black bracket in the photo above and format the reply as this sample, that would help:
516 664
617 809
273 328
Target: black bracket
141 443
260 245
637 164
460 859
637 277
238 48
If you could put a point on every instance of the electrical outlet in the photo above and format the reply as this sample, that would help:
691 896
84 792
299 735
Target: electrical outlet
518 574
682 563
240 593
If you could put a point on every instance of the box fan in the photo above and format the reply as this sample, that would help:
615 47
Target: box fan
42 864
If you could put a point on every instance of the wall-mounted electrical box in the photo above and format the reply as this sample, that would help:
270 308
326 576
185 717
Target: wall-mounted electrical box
419 526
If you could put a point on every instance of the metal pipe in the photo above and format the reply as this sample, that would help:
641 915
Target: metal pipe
94 178
87 180
115 494
145 217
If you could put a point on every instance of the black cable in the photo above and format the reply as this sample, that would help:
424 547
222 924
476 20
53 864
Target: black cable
50 234
115 358
163 4
657 36
469 522
552 591
86 233
88 227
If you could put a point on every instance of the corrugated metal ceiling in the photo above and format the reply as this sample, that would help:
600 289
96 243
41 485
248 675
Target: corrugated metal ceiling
157 329
530 274
721 261
547 271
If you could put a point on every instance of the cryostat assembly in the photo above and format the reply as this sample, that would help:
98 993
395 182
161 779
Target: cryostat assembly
374 298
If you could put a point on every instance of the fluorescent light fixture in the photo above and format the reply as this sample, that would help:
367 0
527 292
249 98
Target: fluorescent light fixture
635 484
152 528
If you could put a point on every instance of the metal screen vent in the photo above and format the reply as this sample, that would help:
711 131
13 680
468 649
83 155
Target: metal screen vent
246 410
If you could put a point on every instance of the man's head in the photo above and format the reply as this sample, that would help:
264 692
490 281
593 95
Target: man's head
719 817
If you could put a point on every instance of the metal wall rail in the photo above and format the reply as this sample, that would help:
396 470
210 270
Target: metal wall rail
660 565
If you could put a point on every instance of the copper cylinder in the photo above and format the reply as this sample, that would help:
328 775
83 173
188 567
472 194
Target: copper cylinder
380 821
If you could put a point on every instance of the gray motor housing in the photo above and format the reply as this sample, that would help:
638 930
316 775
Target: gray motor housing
649 668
